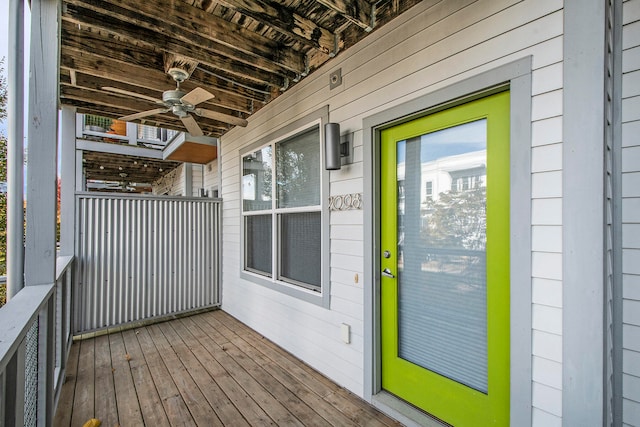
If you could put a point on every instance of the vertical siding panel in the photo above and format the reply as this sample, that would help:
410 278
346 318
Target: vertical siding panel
630 201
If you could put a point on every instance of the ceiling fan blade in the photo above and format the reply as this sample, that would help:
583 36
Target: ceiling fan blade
135 116
192 126
137 95
197 96
221 117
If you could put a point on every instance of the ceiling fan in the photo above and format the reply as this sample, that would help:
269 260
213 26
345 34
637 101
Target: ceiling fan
181 104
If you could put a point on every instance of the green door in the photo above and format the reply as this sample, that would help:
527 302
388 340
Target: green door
445 262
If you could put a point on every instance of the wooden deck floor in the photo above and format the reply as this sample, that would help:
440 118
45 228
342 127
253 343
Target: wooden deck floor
205 370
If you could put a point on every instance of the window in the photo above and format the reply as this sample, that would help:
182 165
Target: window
429 189
283 234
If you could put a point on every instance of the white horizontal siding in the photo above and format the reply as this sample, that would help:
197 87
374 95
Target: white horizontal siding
547 131
545 419
547 345
547 292
546 211
430 47
547 397
631 212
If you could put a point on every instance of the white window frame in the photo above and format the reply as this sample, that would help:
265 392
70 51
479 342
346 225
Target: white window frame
317 119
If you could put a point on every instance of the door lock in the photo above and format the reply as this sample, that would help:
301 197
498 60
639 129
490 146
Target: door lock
387 273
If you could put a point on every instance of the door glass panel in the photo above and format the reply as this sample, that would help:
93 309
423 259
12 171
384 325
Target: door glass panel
442 301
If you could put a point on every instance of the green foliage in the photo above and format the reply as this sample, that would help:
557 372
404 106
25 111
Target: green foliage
3 92
457 220
3 178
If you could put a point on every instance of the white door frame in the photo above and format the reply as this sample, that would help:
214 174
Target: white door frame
516 76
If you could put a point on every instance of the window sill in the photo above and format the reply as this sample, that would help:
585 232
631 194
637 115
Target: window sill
298 292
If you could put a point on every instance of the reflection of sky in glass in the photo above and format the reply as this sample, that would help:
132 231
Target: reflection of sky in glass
452 141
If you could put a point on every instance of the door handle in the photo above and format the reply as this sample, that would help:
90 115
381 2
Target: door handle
387 273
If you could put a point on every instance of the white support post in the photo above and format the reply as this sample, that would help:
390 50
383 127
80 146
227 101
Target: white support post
80 181
132 133
40 251
583 192
15 154
67 180
188 180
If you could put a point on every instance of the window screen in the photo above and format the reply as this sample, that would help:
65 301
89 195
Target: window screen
258 247
300 254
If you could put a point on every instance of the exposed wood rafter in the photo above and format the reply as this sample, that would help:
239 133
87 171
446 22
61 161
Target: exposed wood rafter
239 55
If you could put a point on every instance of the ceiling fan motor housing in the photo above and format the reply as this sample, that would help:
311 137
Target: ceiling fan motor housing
172 97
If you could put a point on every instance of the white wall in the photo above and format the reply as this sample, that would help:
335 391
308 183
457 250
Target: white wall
430 47
203 176
172 184
211 177
631 211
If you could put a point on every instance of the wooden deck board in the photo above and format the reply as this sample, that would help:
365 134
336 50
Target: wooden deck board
126 397
173 404
106 407
205 370
83 399
150 404
65 407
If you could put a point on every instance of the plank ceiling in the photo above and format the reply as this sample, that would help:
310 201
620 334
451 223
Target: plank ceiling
245 52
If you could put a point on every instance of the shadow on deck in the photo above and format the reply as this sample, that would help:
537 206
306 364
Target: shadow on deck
208 369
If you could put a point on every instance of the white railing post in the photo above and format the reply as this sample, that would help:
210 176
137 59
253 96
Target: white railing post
15 155
13 388
46 362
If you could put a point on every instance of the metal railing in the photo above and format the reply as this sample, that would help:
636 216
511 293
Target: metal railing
35 339
144 257
105 128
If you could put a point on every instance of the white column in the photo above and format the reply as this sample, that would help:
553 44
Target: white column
40 250
583 192
188 180
67 180
15 156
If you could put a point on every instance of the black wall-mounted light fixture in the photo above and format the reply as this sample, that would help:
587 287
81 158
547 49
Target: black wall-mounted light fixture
337 152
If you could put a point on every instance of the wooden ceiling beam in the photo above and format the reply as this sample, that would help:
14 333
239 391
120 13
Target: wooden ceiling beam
144 53
214 33
134 55
360 12
139 76
281 19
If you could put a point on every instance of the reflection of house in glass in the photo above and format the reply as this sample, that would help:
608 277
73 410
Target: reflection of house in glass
454 173
452 200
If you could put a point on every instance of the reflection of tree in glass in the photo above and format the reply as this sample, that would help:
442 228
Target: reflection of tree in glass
293 176
266 181
457 220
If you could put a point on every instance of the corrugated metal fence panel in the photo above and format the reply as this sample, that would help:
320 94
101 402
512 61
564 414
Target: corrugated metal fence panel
141 257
